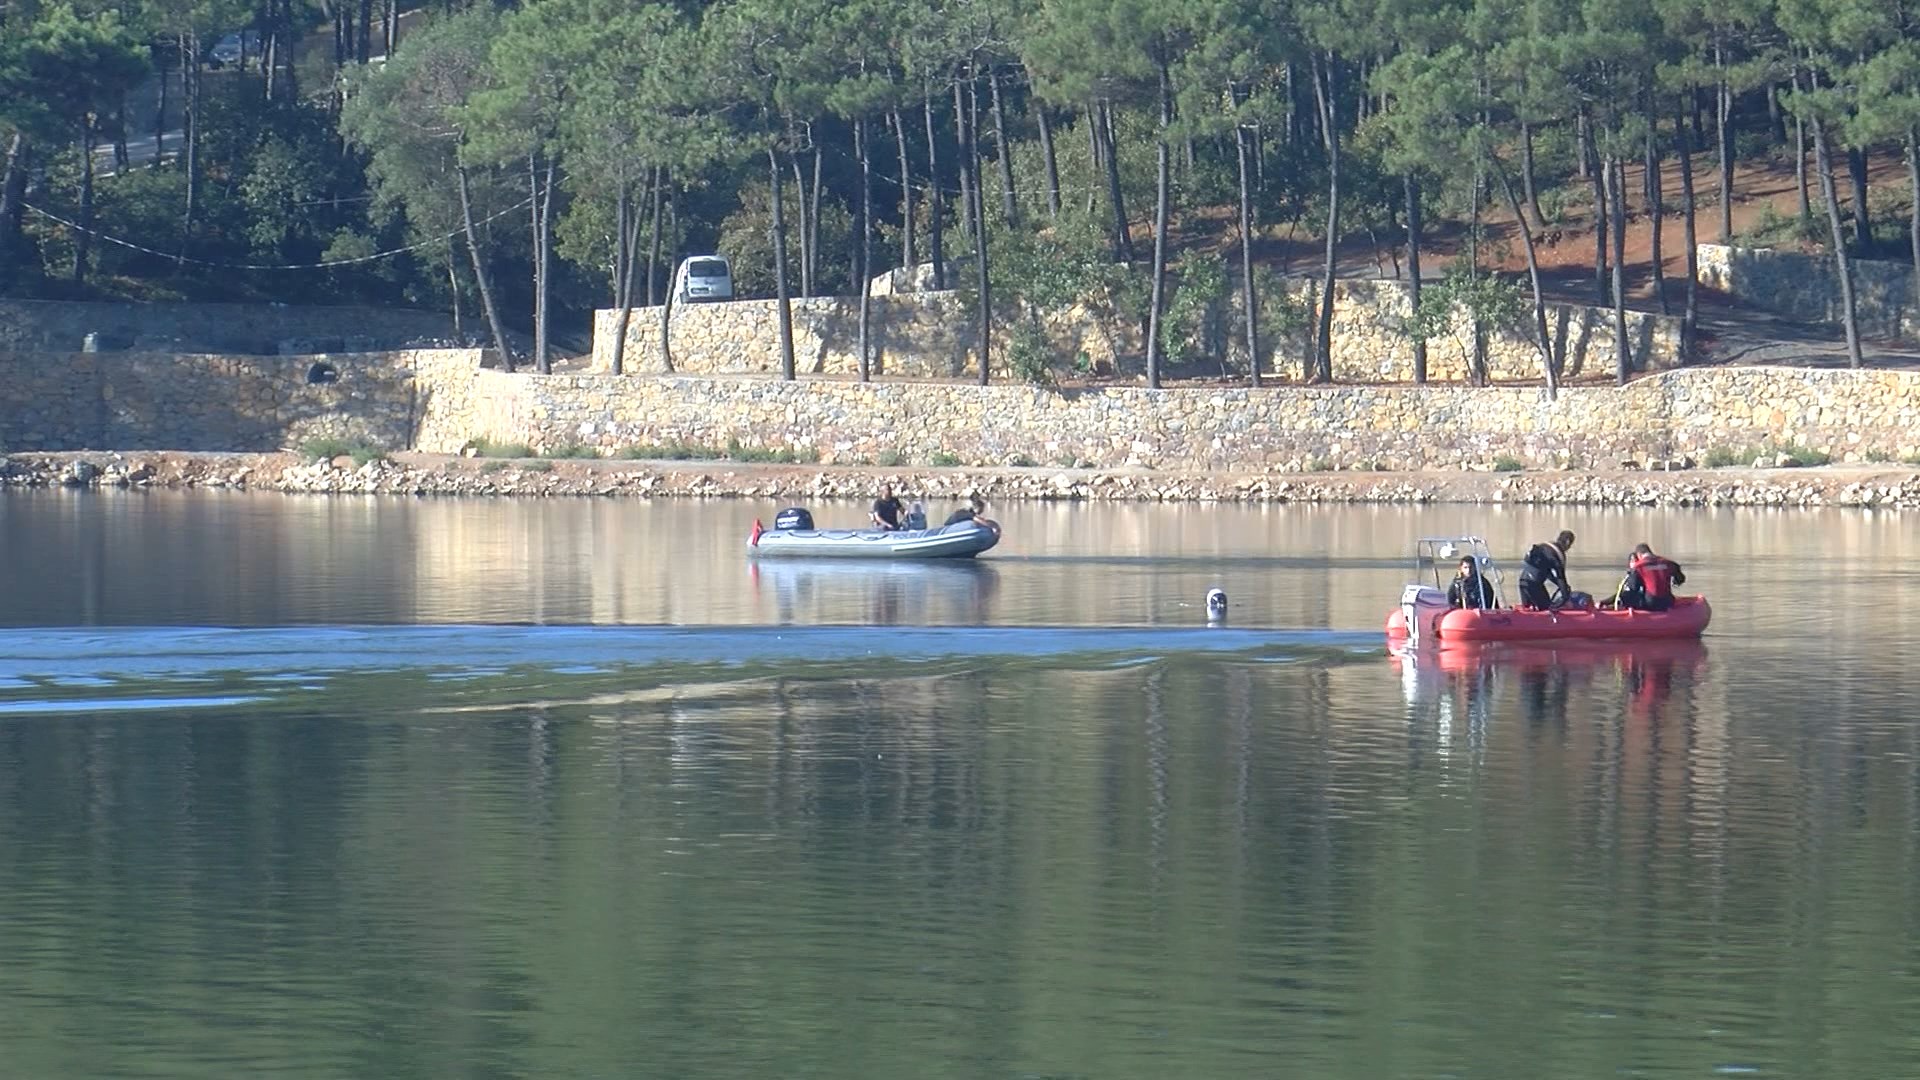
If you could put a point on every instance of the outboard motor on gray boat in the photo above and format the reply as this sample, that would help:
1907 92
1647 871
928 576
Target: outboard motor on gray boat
793 517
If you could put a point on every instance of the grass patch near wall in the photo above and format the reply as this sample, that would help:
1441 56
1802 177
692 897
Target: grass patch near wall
673 451
890 459
761 455
571 451
1797 456
941 459
487 448
328 449
1503 463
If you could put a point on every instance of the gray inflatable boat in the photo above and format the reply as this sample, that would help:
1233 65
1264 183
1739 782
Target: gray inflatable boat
961 540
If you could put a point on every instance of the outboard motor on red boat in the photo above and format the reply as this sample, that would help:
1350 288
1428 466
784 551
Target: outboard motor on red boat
793 517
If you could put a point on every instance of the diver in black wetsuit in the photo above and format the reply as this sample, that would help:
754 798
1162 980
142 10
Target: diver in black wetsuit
1546 566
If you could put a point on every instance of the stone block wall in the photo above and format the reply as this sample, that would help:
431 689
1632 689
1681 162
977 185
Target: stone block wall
916 335
167 401
1850 414
1807 287
1370 342
931 335
258 329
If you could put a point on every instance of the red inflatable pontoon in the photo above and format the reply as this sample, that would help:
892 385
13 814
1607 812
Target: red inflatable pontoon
1424 603
1688 618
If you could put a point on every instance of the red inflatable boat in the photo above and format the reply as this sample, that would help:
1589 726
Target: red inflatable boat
1687 618
1424 615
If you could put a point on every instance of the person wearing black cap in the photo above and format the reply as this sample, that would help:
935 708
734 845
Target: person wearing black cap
1543 574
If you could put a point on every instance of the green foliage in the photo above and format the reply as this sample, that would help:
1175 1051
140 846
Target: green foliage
1030 355
672 451
487 448
570 450
1504 463
890 459
942 459
781 456
327 449
1193 326
746 239
1773 229
1791 454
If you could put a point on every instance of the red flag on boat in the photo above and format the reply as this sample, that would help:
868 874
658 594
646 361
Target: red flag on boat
754 540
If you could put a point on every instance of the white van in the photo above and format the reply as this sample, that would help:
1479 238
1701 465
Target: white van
703 278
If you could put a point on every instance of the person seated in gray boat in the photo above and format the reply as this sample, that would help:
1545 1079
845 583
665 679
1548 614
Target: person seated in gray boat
1470 588
886 510
974 511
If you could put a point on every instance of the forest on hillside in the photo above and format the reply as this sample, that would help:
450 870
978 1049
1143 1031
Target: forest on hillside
523 164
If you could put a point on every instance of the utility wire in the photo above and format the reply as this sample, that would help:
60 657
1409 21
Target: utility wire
375 257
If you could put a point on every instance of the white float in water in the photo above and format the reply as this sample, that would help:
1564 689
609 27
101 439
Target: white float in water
1216 605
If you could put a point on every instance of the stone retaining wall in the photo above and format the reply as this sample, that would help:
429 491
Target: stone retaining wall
72 401
1853 415
932 335
258 329
1806 287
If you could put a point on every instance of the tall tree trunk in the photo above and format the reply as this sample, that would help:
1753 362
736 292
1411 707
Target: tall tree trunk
1913 218
1656 211
1049 161
1122 235
1683 148
160 114
1413 272
673 252
623 261
480 277
83 236
908 257
935 202
1156 351
392 27
1249 292
1823 163
961 138
659 200
806 225
1527 176
1549 365
783 302
1095 154
120 138
453 291
813 221
1800 161
13 193
190 148
970 164
1615 174
1324 92
863 147
1002 147
1583 145
1598 167
542 192
1723 135
363 47
1862 216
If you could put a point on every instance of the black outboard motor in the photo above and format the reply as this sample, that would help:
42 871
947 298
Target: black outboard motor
793 517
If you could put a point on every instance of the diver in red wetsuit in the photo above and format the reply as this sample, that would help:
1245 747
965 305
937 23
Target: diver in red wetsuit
1650 581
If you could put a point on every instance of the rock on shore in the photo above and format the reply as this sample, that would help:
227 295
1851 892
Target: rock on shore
423 474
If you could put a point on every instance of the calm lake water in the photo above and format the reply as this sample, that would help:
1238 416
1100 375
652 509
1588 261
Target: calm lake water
389 788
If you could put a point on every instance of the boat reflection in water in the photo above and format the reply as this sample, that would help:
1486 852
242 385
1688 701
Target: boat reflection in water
1454 687
876 593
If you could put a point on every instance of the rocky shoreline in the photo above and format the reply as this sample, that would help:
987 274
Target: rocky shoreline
1889 487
